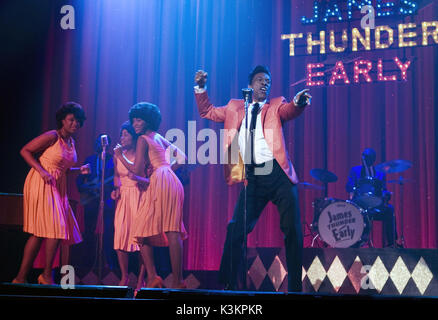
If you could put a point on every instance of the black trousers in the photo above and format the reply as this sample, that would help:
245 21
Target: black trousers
385 213
261 189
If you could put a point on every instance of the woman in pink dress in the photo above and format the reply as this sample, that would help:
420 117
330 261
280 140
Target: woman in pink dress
47 213
159 221
127 192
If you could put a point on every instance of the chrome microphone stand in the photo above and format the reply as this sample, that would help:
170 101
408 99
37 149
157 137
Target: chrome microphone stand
100 224
247 95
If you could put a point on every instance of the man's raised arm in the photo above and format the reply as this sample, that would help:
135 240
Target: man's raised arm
205 107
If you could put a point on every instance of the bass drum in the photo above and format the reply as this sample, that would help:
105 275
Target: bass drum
341 224
318 205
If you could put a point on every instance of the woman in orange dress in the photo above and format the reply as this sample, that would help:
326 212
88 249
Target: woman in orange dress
159 219
127 192
47 213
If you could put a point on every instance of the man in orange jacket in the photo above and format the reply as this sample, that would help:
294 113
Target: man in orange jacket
265 165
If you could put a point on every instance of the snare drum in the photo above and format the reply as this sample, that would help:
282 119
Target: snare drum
368 192
341 224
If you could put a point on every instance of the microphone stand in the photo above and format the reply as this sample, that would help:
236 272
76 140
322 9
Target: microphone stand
366 214
100 224
247 92
402 238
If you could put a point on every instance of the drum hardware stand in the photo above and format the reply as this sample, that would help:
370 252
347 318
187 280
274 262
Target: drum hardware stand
325 177
314 239
393 167
306 226
370 234
402 238
311 233
325 192
315 235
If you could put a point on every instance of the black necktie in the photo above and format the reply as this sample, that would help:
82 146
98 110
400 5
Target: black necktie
252 128
254 112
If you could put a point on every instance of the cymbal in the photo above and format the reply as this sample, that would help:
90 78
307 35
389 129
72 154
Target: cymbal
307 185
394 166
323 175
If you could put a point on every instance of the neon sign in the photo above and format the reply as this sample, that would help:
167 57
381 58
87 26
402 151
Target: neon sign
407 36
332 10
382 37
361 73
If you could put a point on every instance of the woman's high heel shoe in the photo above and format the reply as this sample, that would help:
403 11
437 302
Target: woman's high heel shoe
15 281
156 283
140 284
42 280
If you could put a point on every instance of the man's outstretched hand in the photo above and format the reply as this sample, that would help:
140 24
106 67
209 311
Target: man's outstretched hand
302 98
201 78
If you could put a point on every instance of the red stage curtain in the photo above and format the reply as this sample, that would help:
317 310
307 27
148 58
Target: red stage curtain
122 52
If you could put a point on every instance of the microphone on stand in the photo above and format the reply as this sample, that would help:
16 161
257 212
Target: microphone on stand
104 143
247 94
104 140
100 218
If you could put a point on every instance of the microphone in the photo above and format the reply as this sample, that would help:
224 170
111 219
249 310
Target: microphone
247 94
104 141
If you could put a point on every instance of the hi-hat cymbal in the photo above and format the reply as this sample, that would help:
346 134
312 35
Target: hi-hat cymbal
323 175
307 185
394 166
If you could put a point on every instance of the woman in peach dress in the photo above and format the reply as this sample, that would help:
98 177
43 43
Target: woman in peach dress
127 192
47 213
159 219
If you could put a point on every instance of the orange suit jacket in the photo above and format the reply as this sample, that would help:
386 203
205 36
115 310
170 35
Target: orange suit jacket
274 113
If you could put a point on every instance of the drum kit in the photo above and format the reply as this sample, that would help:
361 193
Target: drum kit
346 223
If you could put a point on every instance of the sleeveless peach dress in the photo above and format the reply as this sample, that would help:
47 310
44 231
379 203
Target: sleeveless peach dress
161 206
47 212
126 210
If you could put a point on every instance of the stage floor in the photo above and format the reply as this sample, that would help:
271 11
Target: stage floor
195 303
